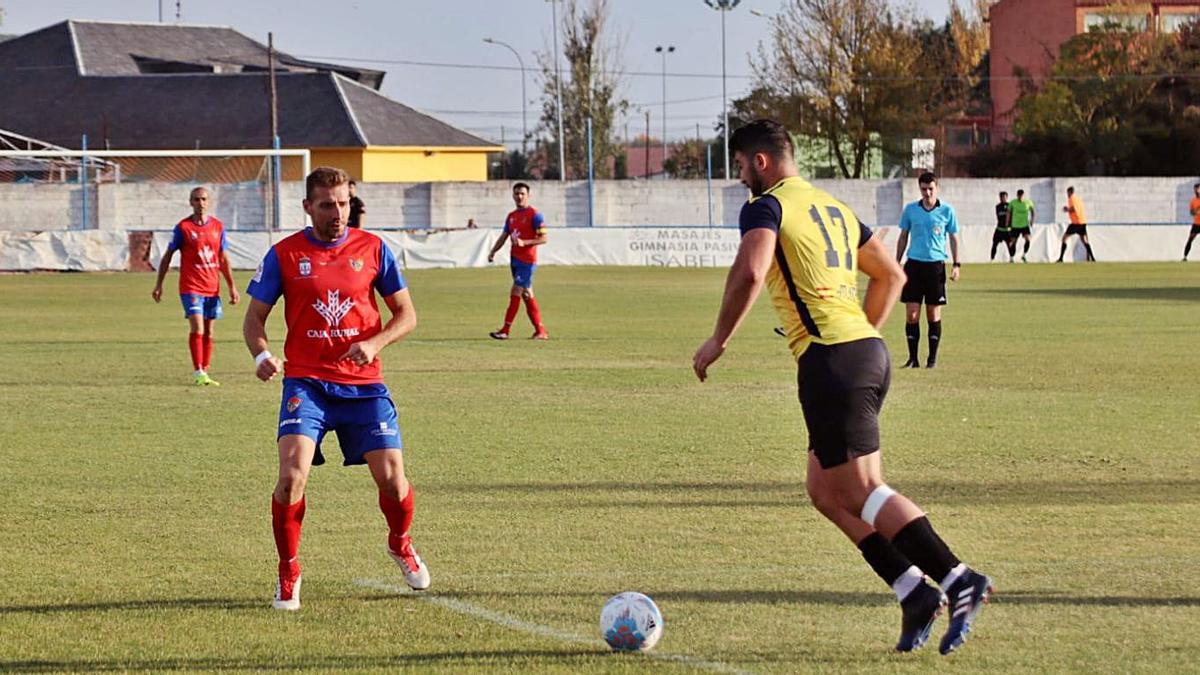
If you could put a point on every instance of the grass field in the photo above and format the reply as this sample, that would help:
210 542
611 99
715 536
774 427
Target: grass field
1056 448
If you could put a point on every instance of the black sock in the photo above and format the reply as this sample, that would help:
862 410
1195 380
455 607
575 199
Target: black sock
935 339
1012 248
887 561
912 331
1091 256
1062 251
920 544
1188 247
994 244
1026 247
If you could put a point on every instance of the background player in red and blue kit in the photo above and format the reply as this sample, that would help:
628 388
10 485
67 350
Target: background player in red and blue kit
328 275
200 240
527 230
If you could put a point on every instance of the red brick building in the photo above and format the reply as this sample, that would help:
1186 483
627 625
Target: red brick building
1026 36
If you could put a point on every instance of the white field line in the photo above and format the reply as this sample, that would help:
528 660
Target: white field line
514 623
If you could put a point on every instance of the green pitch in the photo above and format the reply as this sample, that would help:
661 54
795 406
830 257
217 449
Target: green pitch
1055 448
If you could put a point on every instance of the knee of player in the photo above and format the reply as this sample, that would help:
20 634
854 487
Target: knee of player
290 487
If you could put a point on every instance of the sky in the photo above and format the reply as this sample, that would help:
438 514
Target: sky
437 62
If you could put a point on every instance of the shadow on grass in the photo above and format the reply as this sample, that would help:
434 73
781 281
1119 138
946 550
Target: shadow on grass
512 658
127 605
785 494
1169 293
1040 597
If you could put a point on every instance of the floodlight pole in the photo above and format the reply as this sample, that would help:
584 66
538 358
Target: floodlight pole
562 150
521 62
664 51
724 6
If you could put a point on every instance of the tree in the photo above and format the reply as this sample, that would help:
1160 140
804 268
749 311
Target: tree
845 71
687 159
591 89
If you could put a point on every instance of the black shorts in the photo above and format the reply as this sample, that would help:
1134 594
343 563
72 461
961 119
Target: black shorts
1195 231
1018 231
926 282
1001 236
842 388
1080 230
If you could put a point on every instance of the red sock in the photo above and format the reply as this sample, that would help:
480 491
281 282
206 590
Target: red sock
514 303
285 520
196 347
535 315
207 342
399 515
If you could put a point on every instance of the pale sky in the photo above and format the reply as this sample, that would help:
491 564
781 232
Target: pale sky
392 35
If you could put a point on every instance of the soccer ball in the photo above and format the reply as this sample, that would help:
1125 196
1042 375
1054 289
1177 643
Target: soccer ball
631 622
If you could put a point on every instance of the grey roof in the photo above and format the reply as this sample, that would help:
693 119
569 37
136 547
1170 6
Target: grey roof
121 101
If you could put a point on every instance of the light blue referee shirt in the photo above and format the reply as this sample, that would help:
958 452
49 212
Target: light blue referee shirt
928 230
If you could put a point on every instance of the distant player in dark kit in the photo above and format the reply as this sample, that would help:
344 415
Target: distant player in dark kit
200 240
358 210
526 229
328 276
1194 209
1003 233
1020 219
1078 226
808 249
925 227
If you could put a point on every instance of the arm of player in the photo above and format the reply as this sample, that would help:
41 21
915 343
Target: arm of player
536 241
227 272
901 245
403 321
955 270
886 281
496 247
163 266
254 330
742 286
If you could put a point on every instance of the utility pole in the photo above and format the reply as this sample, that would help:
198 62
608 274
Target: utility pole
647 174
664 51
562 149
724 6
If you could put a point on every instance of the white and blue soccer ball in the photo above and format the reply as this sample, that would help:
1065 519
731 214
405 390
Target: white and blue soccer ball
631 622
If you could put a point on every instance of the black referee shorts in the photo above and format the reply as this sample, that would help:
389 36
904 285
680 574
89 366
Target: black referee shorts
926 282
1080 229
842 388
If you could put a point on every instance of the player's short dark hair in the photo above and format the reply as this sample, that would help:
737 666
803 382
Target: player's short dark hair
518 186
927 177
1003 193
1071 188
353 183
1197 185
1020 192
762 136
195 190
324 176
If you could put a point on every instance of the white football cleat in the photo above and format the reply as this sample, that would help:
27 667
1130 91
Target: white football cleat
416 573
287 594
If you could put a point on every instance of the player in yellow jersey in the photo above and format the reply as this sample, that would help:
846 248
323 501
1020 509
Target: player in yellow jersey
808 248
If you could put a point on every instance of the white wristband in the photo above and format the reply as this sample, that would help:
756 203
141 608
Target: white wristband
262 356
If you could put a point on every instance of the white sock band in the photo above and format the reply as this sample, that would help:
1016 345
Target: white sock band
907 582
875 502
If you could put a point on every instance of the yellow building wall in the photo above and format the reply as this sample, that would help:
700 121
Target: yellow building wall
349 160
419 165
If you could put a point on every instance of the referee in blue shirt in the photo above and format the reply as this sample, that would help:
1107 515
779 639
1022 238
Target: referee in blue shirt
924 228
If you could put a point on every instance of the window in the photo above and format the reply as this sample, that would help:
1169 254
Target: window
959 137
1114 21
1172 23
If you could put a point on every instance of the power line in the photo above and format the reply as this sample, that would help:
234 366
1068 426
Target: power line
488 66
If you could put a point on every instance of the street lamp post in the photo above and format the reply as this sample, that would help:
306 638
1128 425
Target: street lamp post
524 127
562 151
669 49
724 6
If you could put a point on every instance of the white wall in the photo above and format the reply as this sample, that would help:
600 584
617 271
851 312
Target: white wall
158 206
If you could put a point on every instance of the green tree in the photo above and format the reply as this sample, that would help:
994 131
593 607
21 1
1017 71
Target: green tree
591 88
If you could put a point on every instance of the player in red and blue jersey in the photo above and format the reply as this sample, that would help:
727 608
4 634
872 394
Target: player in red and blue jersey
200 240
328 275
526 227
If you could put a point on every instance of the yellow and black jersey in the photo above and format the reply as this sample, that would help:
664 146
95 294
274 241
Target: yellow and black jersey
813 279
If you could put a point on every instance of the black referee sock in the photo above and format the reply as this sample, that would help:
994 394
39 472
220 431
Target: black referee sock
1091 256
1026 247
912 331
925 548
935 339
887 561
1062 251
1187 248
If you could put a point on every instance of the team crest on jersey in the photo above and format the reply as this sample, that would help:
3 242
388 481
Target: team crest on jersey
356 264
293 403
194 236
206 253
305 267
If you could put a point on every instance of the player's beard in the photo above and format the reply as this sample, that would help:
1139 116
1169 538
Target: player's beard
756 183
332 230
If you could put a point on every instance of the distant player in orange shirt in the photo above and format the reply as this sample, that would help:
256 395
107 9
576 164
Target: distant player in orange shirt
200 240
1194 209
1074 209
526 227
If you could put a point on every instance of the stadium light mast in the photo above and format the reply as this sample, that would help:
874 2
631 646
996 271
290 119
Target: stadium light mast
669 49
524 128
724 6
562 151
